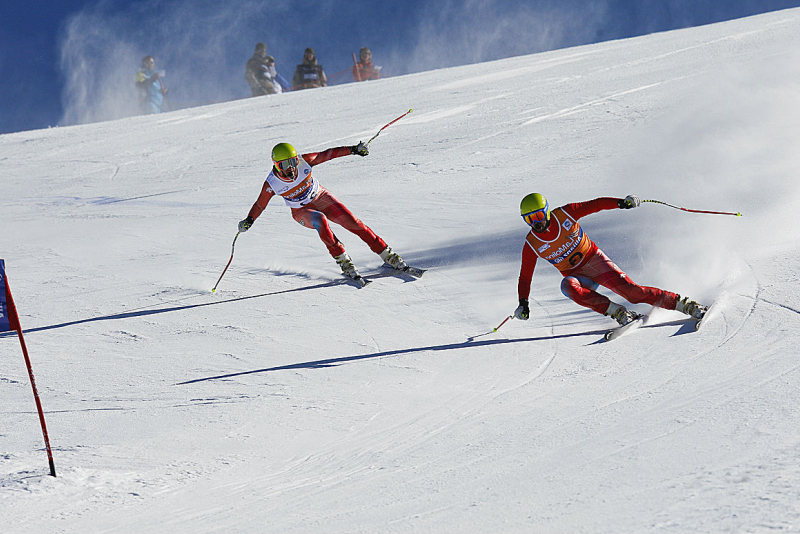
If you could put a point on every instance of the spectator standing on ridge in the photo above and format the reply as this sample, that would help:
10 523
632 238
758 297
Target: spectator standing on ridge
151 90
309 74
256 73
364 69
280 83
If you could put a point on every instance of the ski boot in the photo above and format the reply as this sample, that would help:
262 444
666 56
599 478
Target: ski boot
346 264
620 314
691 308
393 259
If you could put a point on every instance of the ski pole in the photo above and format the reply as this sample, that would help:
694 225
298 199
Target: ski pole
504 322
394 121
229 263
737 214
473 338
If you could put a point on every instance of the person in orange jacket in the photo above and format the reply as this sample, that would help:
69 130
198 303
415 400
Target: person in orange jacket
557 237
364 69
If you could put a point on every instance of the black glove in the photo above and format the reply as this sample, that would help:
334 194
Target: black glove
245 224
361 149
522 312
631 201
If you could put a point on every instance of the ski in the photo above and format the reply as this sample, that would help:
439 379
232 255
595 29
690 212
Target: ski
358 280
614 333
701 320
361 281
413 271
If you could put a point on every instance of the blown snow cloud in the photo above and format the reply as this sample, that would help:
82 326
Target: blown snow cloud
733 148
102 47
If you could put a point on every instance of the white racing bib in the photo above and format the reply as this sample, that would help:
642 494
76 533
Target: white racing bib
298 192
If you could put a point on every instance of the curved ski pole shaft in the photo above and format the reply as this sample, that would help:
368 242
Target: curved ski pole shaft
229 262
394 121
737 214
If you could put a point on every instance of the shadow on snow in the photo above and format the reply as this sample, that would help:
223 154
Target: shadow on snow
142 312
332 362
686 327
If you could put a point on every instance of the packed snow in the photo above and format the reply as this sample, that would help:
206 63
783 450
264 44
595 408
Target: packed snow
290 401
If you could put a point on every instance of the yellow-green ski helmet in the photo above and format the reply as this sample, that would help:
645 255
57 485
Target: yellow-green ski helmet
283 151
535 209
284 157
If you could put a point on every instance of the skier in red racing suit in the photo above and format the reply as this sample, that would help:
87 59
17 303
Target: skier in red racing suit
313 206
558 238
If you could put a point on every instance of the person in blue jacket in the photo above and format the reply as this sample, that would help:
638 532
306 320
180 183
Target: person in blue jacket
280 83
151 89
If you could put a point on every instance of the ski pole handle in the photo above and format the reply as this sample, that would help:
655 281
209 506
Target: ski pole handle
229 262
394 121
737 214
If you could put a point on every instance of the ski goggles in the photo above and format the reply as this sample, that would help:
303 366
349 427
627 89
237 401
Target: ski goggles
287 164
537 219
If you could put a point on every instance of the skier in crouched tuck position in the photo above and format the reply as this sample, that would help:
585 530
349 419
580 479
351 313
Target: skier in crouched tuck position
558 238
313 206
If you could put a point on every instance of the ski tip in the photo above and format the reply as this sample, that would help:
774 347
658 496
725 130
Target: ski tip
213 289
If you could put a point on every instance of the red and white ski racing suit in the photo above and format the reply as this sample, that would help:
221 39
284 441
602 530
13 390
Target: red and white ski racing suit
583 264
313 206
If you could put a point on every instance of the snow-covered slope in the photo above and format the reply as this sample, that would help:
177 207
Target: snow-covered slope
290 402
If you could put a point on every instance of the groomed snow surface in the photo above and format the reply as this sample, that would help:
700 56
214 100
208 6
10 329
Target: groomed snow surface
291 402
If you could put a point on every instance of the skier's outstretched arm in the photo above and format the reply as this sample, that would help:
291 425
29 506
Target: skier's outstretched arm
315 158
577 210
258 208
